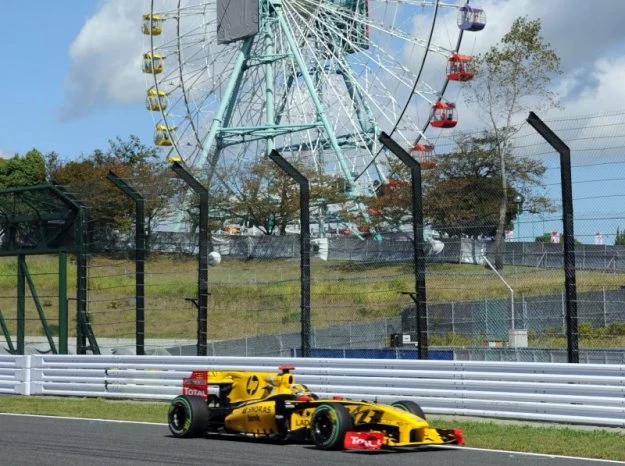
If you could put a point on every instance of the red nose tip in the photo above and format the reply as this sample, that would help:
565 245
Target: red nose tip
459 434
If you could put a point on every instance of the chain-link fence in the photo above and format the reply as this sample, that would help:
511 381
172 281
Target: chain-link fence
359 297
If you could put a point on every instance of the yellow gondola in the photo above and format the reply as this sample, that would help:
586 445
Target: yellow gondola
152 63
163 135
156 100
152 25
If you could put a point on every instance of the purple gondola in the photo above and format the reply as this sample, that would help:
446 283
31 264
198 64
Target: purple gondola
471 19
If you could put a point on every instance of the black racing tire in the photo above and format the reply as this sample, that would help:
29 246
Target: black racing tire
187 416
411 407
328 426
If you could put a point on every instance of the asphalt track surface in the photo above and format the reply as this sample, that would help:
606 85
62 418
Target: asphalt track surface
47 441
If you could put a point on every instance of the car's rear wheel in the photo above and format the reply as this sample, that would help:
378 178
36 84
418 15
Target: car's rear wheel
328 426
411 407
188 416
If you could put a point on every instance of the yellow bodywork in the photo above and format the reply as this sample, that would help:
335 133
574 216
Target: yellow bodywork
248 386
259 401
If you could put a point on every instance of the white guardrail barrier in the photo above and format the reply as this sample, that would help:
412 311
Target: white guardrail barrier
591 394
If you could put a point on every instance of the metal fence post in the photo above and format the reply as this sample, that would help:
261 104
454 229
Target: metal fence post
202 305
304 206
417 231
140 252
63 307
570 286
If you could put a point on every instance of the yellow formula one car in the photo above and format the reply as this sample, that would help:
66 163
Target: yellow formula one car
272 406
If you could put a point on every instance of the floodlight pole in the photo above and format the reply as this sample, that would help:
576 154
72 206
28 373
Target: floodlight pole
202 318
420 299
304 212
570 285
140 249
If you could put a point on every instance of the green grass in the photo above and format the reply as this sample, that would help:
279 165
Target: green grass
599 443
262 297
567 441
95 408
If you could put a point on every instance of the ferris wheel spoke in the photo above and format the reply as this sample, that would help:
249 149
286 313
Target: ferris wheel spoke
391 30
319 81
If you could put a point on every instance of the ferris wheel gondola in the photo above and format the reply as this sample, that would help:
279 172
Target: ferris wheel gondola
317 80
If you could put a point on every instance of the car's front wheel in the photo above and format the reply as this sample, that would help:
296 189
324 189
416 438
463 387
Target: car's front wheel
328 426
411 407
188 416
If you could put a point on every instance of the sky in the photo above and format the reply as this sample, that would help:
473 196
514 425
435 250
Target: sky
72 78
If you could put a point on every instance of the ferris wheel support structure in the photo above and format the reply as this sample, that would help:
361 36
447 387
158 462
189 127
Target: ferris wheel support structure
219 127
316 80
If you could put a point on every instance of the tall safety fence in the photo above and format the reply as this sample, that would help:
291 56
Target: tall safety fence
360 282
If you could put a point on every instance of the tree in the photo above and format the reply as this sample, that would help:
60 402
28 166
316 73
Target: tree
110 210
391 205
463 194
28 170
148 175
547 238
132 152
511 78
619 240
262 195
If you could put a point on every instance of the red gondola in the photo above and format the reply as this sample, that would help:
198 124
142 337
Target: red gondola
460 68
390 187
471 19
424 154
444 115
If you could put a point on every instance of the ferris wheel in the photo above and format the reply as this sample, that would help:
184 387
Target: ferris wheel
317 80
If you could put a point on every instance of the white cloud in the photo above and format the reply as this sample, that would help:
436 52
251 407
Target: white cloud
105 57
105 60
588 38
607 92
7 153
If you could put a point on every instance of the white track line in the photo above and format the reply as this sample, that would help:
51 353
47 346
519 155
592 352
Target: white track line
85 419
524 453
509 452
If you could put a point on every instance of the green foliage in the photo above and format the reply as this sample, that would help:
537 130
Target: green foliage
619 240
392 202
511 78
615 328
463 193
452 339
266 197
588 330
585 328
131 152
110 209
515 73
28 170
546 238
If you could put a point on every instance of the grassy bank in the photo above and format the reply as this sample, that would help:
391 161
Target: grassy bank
600 443
260 297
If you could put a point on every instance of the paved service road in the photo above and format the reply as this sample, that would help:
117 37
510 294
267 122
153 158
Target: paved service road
47 441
